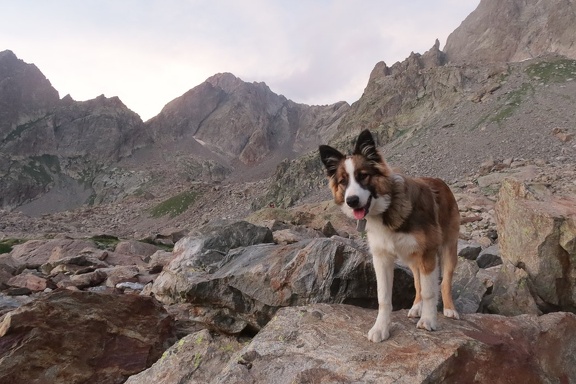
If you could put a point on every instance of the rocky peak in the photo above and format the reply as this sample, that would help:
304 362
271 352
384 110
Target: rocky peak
238 120
514 30
25 93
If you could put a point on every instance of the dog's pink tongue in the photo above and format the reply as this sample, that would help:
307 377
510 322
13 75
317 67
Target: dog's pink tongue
359 213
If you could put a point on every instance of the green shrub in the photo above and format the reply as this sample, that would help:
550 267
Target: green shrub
7 245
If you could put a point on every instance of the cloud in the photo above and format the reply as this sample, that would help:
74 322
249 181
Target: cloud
149 52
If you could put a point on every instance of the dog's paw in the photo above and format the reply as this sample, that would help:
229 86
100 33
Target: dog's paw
451 313
378 334
416 310
427 323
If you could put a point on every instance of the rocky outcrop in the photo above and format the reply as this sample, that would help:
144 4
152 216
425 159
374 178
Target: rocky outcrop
404 94
78 337
327 343
241 285
537 232
516 30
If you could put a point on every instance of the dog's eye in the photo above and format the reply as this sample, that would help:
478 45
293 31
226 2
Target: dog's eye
342 181
362 176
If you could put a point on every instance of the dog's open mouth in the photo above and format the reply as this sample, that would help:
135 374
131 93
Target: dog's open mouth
360 213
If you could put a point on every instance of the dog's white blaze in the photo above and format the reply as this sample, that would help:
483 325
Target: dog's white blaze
354 188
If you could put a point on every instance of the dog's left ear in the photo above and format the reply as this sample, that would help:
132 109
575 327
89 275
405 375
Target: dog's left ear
331 158
366 147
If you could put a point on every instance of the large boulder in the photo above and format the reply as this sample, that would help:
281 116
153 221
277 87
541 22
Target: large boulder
537 233
32 254
81 337
208 247
251 283
327 344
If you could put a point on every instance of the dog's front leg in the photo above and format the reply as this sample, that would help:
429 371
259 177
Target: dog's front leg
429 293
384 268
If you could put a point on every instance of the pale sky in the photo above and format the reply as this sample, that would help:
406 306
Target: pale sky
148 52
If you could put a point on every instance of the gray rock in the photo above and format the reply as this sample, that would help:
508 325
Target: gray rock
251 283
467 289
489 257
209 247
468 250
511 294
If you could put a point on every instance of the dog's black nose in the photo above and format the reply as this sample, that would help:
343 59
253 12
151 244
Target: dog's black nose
353 201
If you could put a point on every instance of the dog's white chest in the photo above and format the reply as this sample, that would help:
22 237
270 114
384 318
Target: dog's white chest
383 240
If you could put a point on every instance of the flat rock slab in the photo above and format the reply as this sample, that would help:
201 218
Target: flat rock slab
325 343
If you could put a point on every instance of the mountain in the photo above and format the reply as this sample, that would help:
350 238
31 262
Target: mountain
57 154
48 144
244 121
514 30
25 93
441 113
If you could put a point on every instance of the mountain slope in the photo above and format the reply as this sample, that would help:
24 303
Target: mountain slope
514 30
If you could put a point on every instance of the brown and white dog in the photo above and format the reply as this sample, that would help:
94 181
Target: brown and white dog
413 219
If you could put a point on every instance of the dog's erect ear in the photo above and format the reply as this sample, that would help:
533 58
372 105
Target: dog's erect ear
366 147
331 158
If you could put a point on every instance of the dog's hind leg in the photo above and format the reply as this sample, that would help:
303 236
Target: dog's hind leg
416 309
429 272
449 260
384 268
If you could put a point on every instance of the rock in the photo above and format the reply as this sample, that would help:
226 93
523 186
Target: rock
209 247
294 234
30 281
537 233
489 257
78 337
117 258
127 285
467 289
159 260
252 282
195 358
328 230
137 248
10 303
511 294
328 344
87 261
90 279
468 250
121 274
32 254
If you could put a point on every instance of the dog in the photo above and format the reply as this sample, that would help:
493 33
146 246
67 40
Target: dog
415 220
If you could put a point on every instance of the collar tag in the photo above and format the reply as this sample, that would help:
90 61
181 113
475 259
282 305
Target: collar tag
361 225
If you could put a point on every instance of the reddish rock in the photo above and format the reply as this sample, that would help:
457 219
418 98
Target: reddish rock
138 248
32 282
81 337
327 344
32 254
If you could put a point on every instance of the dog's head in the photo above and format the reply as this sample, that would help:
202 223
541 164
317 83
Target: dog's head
361 182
